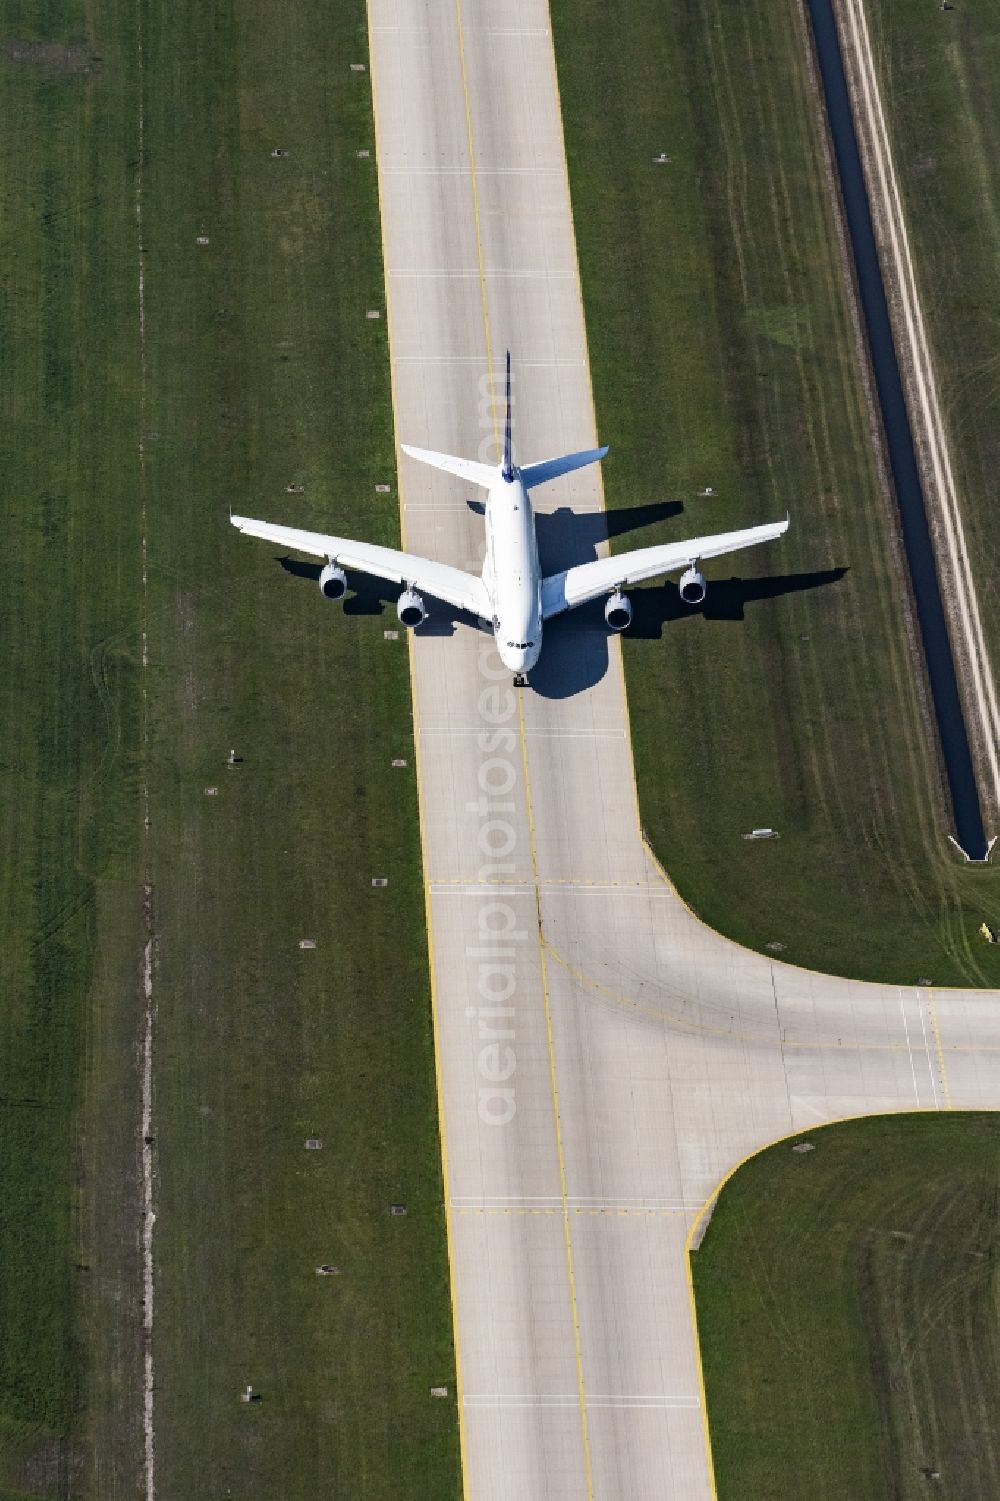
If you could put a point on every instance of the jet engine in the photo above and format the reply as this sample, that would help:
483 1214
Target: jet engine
692 586
333 582
618 611
410 608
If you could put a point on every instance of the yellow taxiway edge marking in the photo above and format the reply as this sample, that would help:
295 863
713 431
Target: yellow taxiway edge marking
428 917
616 649
696 1225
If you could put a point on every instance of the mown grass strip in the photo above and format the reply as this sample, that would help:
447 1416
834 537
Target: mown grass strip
68 808
265 374
846 1300
262 372
724 355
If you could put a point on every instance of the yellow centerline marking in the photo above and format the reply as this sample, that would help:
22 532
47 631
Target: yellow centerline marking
940 1051
567 1237
475 206
769 1039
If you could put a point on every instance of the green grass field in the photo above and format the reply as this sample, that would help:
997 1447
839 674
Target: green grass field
261 371
264 372
723 354
70 826
940 81
847 1309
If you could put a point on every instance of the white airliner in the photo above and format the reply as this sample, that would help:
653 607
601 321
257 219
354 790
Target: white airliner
512 595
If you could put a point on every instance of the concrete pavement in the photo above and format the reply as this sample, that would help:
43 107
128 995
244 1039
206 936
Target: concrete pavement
603 1057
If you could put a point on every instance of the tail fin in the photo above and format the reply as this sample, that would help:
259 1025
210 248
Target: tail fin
508 463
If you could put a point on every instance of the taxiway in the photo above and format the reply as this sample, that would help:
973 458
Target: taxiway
603 1057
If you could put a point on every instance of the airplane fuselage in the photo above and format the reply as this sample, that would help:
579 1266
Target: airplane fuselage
511 592
512 574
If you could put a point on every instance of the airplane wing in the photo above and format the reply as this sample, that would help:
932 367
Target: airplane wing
564 591
464 590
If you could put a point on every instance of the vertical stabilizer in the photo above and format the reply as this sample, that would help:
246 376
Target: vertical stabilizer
508 462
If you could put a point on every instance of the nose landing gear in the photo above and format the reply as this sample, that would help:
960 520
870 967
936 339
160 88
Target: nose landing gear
520 680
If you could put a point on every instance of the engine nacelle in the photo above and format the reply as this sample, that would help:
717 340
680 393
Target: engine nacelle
333 582
618 611
692 586
410 608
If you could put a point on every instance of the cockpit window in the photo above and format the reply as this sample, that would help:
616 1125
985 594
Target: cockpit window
521 645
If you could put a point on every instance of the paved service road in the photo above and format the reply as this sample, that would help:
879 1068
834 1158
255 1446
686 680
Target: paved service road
603 1057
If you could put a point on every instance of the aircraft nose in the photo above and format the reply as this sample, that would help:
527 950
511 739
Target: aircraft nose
513 657
519 656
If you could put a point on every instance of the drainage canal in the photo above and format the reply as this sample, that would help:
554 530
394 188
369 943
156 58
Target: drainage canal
952 731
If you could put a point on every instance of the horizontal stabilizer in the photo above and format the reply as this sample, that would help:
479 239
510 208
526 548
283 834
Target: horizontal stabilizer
477 474
540 474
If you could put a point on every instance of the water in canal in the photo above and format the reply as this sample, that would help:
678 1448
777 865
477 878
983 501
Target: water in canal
951 726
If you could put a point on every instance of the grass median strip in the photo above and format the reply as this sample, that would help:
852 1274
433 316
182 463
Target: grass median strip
267 386
70 827
846 1300
727 379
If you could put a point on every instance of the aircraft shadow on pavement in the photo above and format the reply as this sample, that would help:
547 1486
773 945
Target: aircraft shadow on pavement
575 655
563 540
566 537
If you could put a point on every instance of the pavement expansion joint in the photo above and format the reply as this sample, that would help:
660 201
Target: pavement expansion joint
477 888
415 171
606 1213
558 1399
478 361
445 273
